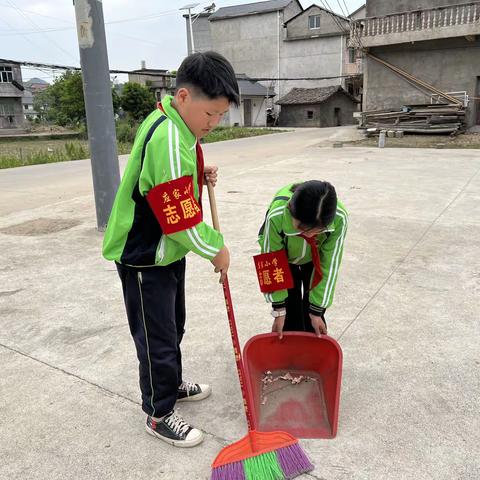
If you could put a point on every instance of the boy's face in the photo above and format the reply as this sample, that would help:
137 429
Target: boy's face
307 232
200 113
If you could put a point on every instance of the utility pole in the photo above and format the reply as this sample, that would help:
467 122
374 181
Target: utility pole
189 8
98 104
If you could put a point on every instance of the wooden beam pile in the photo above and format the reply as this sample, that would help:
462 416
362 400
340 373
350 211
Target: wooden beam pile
419 119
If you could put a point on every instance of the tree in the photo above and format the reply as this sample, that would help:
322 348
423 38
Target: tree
137 100
115 100
63 102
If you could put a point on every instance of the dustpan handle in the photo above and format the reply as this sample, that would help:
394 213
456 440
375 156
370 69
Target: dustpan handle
231 318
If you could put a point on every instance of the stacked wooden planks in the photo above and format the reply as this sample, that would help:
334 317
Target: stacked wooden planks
436 118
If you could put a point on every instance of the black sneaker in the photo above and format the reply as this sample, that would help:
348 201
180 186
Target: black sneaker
174 430
192 392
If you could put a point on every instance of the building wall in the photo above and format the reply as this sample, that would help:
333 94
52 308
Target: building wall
250 43
296 116
362 13
450 65
6 88
345 116
235 116
299 27
376 8
201 35
323 114
314 57
11 112
290 11
11 108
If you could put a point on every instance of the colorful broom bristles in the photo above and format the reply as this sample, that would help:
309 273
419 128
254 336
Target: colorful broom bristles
282 464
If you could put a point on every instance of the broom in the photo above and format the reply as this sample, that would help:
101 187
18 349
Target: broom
258 455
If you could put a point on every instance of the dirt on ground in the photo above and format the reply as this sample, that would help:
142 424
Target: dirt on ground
465 140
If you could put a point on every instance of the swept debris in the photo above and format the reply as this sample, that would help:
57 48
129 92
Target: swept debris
269 380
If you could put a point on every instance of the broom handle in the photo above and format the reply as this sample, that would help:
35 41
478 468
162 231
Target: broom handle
231 319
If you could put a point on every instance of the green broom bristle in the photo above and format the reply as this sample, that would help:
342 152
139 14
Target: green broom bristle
264 466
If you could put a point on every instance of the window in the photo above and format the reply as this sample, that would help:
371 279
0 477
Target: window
6 74
313 22
351 55
6 109
309 114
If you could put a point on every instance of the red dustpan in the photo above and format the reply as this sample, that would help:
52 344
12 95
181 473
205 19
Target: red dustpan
307 409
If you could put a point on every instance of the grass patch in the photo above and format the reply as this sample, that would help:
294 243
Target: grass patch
33 152
230 133
20 152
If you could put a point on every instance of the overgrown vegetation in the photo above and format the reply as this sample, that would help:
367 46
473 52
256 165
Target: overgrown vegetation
21 152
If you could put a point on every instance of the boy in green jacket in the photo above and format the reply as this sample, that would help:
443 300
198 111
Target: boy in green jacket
309 224
156 220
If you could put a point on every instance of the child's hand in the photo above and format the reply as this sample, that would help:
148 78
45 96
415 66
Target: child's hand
278 325
318 325
221 262
211 174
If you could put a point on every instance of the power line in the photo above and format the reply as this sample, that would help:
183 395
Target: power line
34 32
145 17
39 66
334 16
141 40
64 29
341 8
28 40
36 13
357 37
38 28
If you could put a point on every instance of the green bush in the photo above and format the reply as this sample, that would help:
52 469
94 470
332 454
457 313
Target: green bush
126 131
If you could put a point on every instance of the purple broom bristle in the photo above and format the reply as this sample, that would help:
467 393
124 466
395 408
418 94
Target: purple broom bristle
230 471
293 461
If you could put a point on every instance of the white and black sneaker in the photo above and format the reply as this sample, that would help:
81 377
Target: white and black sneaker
192 392
174 430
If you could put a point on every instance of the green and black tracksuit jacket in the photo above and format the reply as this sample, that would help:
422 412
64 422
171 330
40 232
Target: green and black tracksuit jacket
278 233
164 150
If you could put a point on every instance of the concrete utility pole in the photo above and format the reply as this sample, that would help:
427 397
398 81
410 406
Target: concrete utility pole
189 8
98 104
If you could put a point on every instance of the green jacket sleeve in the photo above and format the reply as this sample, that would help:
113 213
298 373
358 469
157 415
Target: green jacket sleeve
331 252
166 159
271 240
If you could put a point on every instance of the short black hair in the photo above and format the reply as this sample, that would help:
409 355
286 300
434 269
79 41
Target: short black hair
313 204
211 74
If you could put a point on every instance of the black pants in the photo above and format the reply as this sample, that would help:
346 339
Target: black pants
297 303
155 304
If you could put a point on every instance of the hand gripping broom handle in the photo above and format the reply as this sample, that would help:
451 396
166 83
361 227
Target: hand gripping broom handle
231 319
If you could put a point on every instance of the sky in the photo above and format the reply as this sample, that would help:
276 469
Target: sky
151 30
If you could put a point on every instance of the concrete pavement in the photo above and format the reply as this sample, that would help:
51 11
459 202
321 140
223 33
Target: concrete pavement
406 315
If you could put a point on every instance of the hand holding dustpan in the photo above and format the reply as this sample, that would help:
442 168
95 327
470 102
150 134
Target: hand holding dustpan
258 455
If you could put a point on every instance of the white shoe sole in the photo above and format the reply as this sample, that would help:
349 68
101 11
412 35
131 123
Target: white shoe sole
176 443
198 397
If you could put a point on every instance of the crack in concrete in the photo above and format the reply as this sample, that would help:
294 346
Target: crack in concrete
402 261
104 390
311 475
10 292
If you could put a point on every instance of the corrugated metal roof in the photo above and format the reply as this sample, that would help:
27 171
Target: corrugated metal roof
249 9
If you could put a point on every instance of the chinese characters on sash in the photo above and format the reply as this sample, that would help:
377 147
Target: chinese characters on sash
273 271
174 205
